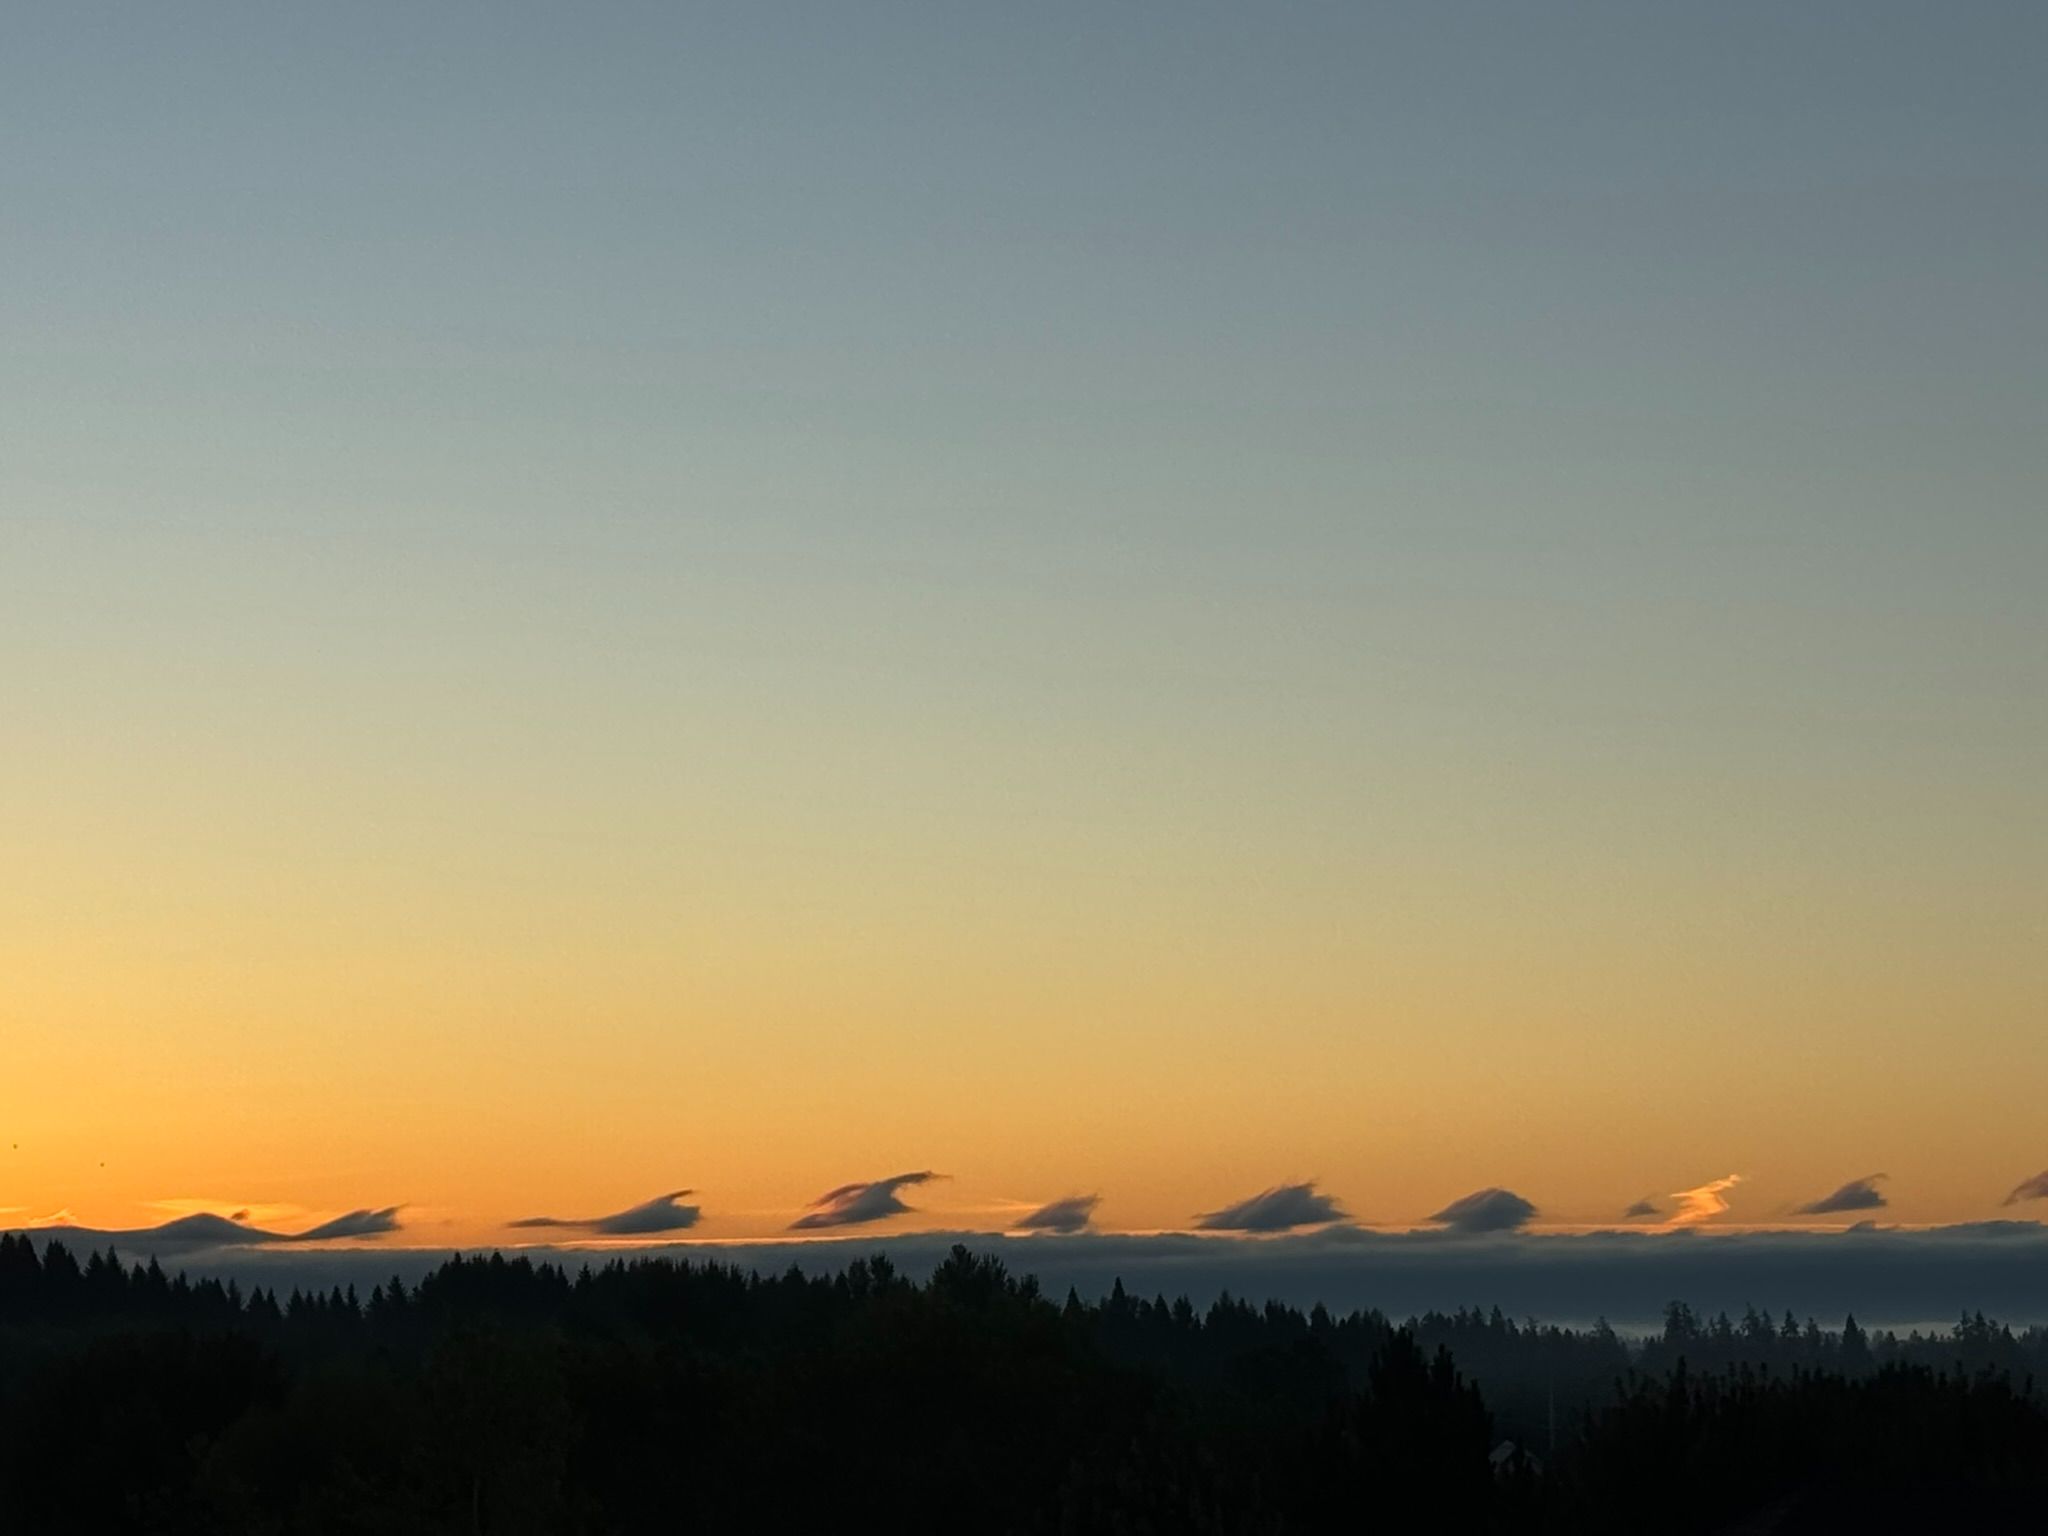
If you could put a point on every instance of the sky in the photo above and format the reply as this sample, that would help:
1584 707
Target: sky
1158 602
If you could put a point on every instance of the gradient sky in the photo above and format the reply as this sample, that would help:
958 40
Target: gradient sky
1146 599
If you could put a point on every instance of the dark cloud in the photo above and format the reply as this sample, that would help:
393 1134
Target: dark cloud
1070 1214
1644 1209
661 1214
1486 1210
203 1229
1279 1209
852 1204
2035 1188
1856 1195
363 1223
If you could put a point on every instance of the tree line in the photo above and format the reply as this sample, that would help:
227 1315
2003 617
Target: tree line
502 1395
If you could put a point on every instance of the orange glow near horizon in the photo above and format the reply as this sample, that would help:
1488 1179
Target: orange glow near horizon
300 1045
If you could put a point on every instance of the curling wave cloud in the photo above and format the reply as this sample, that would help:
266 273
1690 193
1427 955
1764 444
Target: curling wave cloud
1069 1214
2035 1188
1282 1208
852 1205
1486 1210
661 1214
204 1229
1856 1195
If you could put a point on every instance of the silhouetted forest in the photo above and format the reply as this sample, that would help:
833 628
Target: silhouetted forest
498 1395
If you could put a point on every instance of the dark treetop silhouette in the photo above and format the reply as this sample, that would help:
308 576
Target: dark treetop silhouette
500 1395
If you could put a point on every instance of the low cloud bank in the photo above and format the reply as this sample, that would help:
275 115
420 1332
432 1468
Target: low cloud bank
1885 1276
